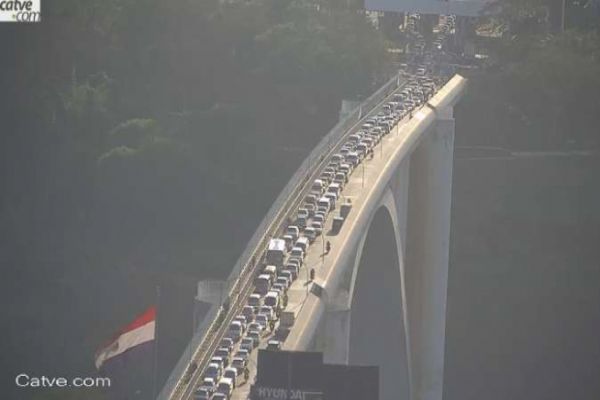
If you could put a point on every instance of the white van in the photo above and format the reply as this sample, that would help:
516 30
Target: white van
317 186
225 386
353 158
263 284
325 203
332 199
275 252
303 243
297 252
334 188
236 331
272 300
270 270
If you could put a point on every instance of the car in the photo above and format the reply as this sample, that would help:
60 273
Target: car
263 321
242 353
332 199
238 363
337 159
289 242
301 221
273 345
302 213
213 371
292 261
340 178
255 327
320 217
208 381
293 231
254 300
219 396
311 199
226 343
272 301
311 233
330 169
231 373
346 169
292 270
303 243
317 226
247 343
288 275
203 393
248 312
218 360
311 208
297 252
223 352
283 281
262 284
317 187
326 177
279 288
242 320
236 330
255 336
353 158
268 311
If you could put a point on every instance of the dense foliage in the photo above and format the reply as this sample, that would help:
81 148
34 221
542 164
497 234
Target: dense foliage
114 111
540 89
131 130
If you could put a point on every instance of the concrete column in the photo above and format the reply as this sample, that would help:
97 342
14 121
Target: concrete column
428 255
337 337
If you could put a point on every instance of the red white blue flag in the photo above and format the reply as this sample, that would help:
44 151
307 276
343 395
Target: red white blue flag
140 331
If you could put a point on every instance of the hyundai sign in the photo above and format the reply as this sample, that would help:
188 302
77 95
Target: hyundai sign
469 8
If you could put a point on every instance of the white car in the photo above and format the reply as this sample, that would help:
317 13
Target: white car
311 233
231 373
247 343
242 353
263 321
238 363
203 393
213 371
317 226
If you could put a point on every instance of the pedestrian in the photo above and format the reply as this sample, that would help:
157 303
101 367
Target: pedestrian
327 247
272 325
246 374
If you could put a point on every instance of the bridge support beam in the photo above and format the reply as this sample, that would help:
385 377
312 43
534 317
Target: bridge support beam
428 255
337 336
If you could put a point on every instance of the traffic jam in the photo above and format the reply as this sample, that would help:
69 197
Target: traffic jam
264 312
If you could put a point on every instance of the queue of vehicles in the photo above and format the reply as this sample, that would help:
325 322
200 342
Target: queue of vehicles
285 255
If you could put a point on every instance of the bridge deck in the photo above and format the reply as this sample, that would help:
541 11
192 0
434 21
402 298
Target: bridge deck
355 191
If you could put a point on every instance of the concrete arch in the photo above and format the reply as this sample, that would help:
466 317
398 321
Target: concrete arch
378 333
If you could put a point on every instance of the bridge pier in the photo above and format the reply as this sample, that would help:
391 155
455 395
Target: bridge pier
337 336
428 255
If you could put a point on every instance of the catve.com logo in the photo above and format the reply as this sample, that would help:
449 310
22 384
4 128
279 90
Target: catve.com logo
20 11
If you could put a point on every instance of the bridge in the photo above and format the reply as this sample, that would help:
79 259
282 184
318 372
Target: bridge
371 301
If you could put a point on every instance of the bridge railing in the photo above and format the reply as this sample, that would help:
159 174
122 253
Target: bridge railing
240 281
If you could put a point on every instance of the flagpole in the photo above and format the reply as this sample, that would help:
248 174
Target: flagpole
155 368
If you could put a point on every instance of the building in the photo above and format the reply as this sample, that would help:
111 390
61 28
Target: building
286 375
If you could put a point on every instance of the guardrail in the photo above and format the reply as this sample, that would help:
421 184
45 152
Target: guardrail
240 281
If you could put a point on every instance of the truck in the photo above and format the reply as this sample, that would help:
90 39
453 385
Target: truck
287 319
275 252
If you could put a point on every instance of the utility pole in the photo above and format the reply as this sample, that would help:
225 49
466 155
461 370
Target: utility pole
363 174
155 369
563 16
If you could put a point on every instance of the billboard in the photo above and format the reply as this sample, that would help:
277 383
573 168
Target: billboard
284 375
470 8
